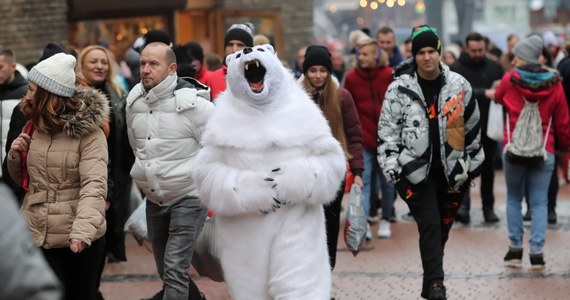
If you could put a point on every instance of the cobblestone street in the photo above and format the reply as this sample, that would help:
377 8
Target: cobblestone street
391 269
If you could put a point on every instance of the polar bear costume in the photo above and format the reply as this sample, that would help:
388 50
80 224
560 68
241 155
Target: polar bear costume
268 164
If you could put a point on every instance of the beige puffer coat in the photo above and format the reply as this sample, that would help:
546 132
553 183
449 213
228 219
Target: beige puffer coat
68 177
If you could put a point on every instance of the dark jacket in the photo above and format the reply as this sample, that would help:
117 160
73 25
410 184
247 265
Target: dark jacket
352 130
15 89
481 75
564 70
397 59
11 94
121 159
367 87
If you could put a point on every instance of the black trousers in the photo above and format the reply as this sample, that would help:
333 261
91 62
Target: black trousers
433 206
487 176
77 272
332 220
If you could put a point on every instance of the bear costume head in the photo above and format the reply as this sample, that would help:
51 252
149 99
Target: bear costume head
255 74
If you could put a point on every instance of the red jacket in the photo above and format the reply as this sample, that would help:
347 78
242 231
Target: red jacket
218 82
368 87
205 77
552 103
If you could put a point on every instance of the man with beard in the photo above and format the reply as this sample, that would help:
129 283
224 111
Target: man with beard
13 86
481 72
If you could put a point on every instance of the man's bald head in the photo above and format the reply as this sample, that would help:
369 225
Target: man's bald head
157 62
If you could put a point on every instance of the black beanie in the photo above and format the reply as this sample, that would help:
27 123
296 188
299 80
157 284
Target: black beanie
196 50
50 50
425 36
154 35
240 32
317 56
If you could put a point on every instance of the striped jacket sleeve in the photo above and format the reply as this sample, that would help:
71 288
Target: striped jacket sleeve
472 133
389 134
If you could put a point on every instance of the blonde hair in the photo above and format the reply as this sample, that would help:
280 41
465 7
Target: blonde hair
383 59
113 66
331 108
260 39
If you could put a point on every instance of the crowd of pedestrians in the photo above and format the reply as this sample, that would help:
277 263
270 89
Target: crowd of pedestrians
78 134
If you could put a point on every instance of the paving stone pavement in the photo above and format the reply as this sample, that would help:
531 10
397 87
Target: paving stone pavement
391 268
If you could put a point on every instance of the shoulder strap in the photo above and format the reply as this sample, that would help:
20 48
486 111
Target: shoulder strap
546 135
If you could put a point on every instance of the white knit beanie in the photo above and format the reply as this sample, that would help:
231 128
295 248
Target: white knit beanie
55 74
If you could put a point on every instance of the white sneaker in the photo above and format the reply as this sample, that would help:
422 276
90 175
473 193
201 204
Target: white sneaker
368 233
384 231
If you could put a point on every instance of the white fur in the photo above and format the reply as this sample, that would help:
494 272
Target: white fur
280 254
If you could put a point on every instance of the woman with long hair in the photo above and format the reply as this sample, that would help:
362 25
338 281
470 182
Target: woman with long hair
96 69
339 110
60 159
531 82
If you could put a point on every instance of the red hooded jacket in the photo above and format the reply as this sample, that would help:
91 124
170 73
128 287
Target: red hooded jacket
205 77
537 84
368 87
218 82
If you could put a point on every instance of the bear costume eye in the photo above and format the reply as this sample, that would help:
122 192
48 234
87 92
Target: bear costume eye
238 55
260 50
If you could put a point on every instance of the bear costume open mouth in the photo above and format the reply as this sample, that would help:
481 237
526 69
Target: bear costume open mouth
254 74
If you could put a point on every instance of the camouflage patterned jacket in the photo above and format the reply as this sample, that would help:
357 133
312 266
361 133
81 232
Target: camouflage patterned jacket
405 149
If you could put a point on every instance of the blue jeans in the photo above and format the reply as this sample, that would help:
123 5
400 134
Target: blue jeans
538 181
172 231
374 180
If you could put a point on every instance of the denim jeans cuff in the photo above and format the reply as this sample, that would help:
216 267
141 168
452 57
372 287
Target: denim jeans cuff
535 249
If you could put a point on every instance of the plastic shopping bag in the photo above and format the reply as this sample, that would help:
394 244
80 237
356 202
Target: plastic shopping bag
495 122
355 226
206 257
136 224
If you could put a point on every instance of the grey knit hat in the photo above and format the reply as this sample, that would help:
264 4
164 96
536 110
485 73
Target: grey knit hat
529 49
55 74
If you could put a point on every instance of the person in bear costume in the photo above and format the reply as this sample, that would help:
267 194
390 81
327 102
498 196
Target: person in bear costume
268 164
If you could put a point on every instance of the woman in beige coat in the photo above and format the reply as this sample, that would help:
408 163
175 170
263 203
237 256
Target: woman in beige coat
62 163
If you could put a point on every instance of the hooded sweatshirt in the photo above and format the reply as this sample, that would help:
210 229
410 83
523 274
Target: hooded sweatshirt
536 84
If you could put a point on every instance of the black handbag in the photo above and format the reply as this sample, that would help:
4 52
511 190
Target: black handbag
527 161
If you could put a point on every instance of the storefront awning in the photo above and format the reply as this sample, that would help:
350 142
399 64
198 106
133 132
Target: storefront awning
104 9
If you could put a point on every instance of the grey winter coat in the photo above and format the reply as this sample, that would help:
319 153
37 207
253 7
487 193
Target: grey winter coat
25 273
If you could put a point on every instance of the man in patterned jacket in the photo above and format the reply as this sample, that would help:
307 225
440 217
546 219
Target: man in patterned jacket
430 147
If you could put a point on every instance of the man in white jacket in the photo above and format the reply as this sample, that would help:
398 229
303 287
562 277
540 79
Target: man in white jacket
166 116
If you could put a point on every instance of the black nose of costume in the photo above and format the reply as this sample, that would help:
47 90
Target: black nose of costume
247 50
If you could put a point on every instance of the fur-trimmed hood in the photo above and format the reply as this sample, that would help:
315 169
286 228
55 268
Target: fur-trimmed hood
534 82
93 114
